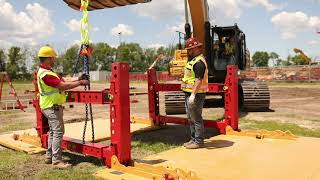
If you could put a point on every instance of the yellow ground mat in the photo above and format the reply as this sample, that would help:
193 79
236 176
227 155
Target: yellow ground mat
228 157
75 131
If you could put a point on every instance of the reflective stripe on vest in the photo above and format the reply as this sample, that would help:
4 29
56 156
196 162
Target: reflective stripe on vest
49 95
189 78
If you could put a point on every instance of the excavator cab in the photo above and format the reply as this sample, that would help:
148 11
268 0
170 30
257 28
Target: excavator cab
227 47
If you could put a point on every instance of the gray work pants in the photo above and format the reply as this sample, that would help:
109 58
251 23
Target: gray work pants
55 134
194 113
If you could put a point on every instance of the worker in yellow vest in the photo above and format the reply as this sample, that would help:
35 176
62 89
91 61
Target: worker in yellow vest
51 98
195 86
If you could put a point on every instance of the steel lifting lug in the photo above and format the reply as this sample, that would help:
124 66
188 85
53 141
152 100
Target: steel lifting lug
110 97
225 88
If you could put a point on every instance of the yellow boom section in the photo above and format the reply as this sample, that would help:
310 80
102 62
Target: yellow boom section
103 4
304 56
198 11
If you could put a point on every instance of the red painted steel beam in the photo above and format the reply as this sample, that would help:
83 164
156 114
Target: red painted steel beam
99 151
92 96
120 112
231 97
213 87
220 125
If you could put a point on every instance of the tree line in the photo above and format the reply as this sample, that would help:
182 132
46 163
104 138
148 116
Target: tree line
14 60
262 59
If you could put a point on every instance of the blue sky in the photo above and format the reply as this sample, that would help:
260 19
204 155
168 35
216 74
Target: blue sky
269 25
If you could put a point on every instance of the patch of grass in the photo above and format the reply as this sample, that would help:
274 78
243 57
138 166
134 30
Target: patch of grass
217 117
6 112
273 125
71 174
293 83
13 126
155 146
8 160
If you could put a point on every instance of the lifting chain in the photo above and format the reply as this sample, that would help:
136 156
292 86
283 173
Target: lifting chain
85 53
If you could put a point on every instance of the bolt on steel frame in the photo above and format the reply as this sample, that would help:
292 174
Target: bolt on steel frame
229 89
118 98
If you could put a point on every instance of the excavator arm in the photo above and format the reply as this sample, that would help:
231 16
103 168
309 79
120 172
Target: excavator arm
199 16
103 4
304 56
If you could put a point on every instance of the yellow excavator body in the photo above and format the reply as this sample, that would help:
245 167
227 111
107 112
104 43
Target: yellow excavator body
177 64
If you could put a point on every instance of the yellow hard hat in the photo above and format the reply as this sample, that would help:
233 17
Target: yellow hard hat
47 51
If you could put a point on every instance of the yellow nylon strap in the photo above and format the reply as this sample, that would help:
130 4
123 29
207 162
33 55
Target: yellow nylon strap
84 23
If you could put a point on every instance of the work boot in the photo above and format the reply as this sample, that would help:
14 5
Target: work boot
48 160
61 165
194 145
187 143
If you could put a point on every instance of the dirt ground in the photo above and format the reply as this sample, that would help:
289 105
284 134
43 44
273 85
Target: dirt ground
297 104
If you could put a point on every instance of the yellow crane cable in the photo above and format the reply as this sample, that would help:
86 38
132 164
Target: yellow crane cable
84 23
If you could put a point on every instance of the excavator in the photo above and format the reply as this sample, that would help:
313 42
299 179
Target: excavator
223 46
304 56
253 95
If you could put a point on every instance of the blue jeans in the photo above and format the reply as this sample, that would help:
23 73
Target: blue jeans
194 113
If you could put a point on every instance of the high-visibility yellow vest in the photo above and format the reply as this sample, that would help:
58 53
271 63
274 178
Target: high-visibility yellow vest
49 95
189 77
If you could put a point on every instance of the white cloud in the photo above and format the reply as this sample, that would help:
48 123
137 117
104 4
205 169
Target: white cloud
220 11
27 26
124 29
266 4
156 45
174 28
291 23
74 25
95 29
313 42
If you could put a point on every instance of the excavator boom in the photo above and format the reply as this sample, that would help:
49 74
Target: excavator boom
199 15
304 56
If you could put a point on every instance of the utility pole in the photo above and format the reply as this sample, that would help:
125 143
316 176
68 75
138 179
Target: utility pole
120 33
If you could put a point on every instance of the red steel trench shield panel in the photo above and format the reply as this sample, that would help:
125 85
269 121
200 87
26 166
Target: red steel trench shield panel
229 89
118 98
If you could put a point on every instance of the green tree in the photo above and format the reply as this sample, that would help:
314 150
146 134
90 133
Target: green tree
35 61
66 61
288 61
260 59
2 60
103 56
133 54
299 60
16 66
275 58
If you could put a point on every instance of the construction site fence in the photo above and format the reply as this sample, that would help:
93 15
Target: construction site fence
139 76
287 73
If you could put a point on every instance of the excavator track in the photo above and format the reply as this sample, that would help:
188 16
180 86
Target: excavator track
254 95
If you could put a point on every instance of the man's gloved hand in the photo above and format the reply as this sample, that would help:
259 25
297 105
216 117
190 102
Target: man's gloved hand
83 77
192 99
84 82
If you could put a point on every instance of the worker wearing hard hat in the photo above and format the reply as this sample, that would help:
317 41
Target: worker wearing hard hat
195 85
51 98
